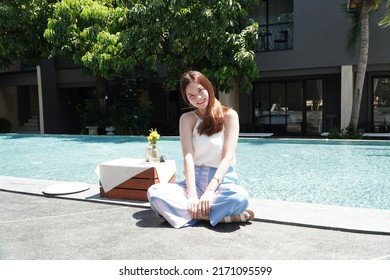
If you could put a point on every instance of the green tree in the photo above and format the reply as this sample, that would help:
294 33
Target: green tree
214 37
359 12
22 23
111 39
76 27
126 95
115 38
131 38
80 29
141 25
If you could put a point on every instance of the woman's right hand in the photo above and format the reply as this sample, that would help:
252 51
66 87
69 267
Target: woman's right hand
193 202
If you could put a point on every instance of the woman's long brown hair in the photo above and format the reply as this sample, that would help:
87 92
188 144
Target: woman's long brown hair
215 112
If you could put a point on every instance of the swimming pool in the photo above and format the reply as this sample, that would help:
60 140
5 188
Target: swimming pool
346 173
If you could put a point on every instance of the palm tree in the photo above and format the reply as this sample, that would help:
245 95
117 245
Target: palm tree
359 12
385 22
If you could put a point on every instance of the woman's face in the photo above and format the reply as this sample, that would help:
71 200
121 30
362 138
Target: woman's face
197 95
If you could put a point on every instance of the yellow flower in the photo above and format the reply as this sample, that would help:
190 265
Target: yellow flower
153 136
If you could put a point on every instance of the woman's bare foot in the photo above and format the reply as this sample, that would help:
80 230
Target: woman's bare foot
246 216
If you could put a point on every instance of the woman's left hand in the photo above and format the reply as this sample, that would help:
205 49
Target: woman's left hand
204 204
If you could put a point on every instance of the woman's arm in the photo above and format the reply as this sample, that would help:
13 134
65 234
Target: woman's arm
186 126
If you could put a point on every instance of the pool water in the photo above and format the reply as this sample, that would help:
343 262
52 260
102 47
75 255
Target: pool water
346 173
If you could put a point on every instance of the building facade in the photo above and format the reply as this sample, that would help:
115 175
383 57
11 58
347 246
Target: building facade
305 84
306 71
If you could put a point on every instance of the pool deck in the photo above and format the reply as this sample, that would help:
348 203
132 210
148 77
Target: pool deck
34 226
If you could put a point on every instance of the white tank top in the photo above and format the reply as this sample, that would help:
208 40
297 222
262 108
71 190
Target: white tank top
207 149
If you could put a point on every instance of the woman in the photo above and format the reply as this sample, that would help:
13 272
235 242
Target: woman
208 137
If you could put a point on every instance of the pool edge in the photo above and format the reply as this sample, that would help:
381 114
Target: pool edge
359 220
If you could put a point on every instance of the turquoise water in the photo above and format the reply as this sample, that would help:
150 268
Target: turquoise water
346 173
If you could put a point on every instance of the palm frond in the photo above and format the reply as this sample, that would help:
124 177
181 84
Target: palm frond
353 36
385 22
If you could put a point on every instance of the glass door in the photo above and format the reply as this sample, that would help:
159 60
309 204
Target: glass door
262 105
276 118
314 102
381 104
289 107
295 114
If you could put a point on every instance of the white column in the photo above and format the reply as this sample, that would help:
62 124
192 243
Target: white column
346 95
40 100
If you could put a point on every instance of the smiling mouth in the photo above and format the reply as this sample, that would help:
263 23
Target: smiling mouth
200 103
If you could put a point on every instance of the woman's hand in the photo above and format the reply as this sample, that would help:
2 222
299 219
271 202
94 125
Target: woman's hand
205 202
193 202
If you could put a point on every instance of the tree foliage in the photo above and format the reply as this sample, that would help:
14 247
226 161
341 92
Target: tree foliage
22 23
117 38
353 9
83 30
214 37
132 38
122 96
385 22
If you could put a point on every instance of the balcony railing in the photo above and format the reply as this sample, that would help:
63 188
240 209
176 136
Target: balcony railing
278 36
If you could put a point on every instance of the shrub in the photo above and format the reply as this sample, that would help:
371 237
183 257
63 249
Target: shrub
346 133
126 112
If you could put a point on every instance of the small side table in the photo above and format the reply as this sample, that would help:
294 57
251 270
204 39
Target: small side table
130 178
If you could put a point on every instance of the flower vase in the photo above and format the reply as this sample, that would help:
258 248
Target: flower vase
153 153
147 150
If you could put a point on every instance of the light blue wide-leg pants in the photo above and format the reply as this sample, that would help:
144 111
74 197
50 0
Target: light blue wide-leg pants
170 200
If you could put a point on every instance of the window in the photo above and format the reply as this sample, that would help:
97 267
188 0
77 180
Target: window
381 103
288 107
275 18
